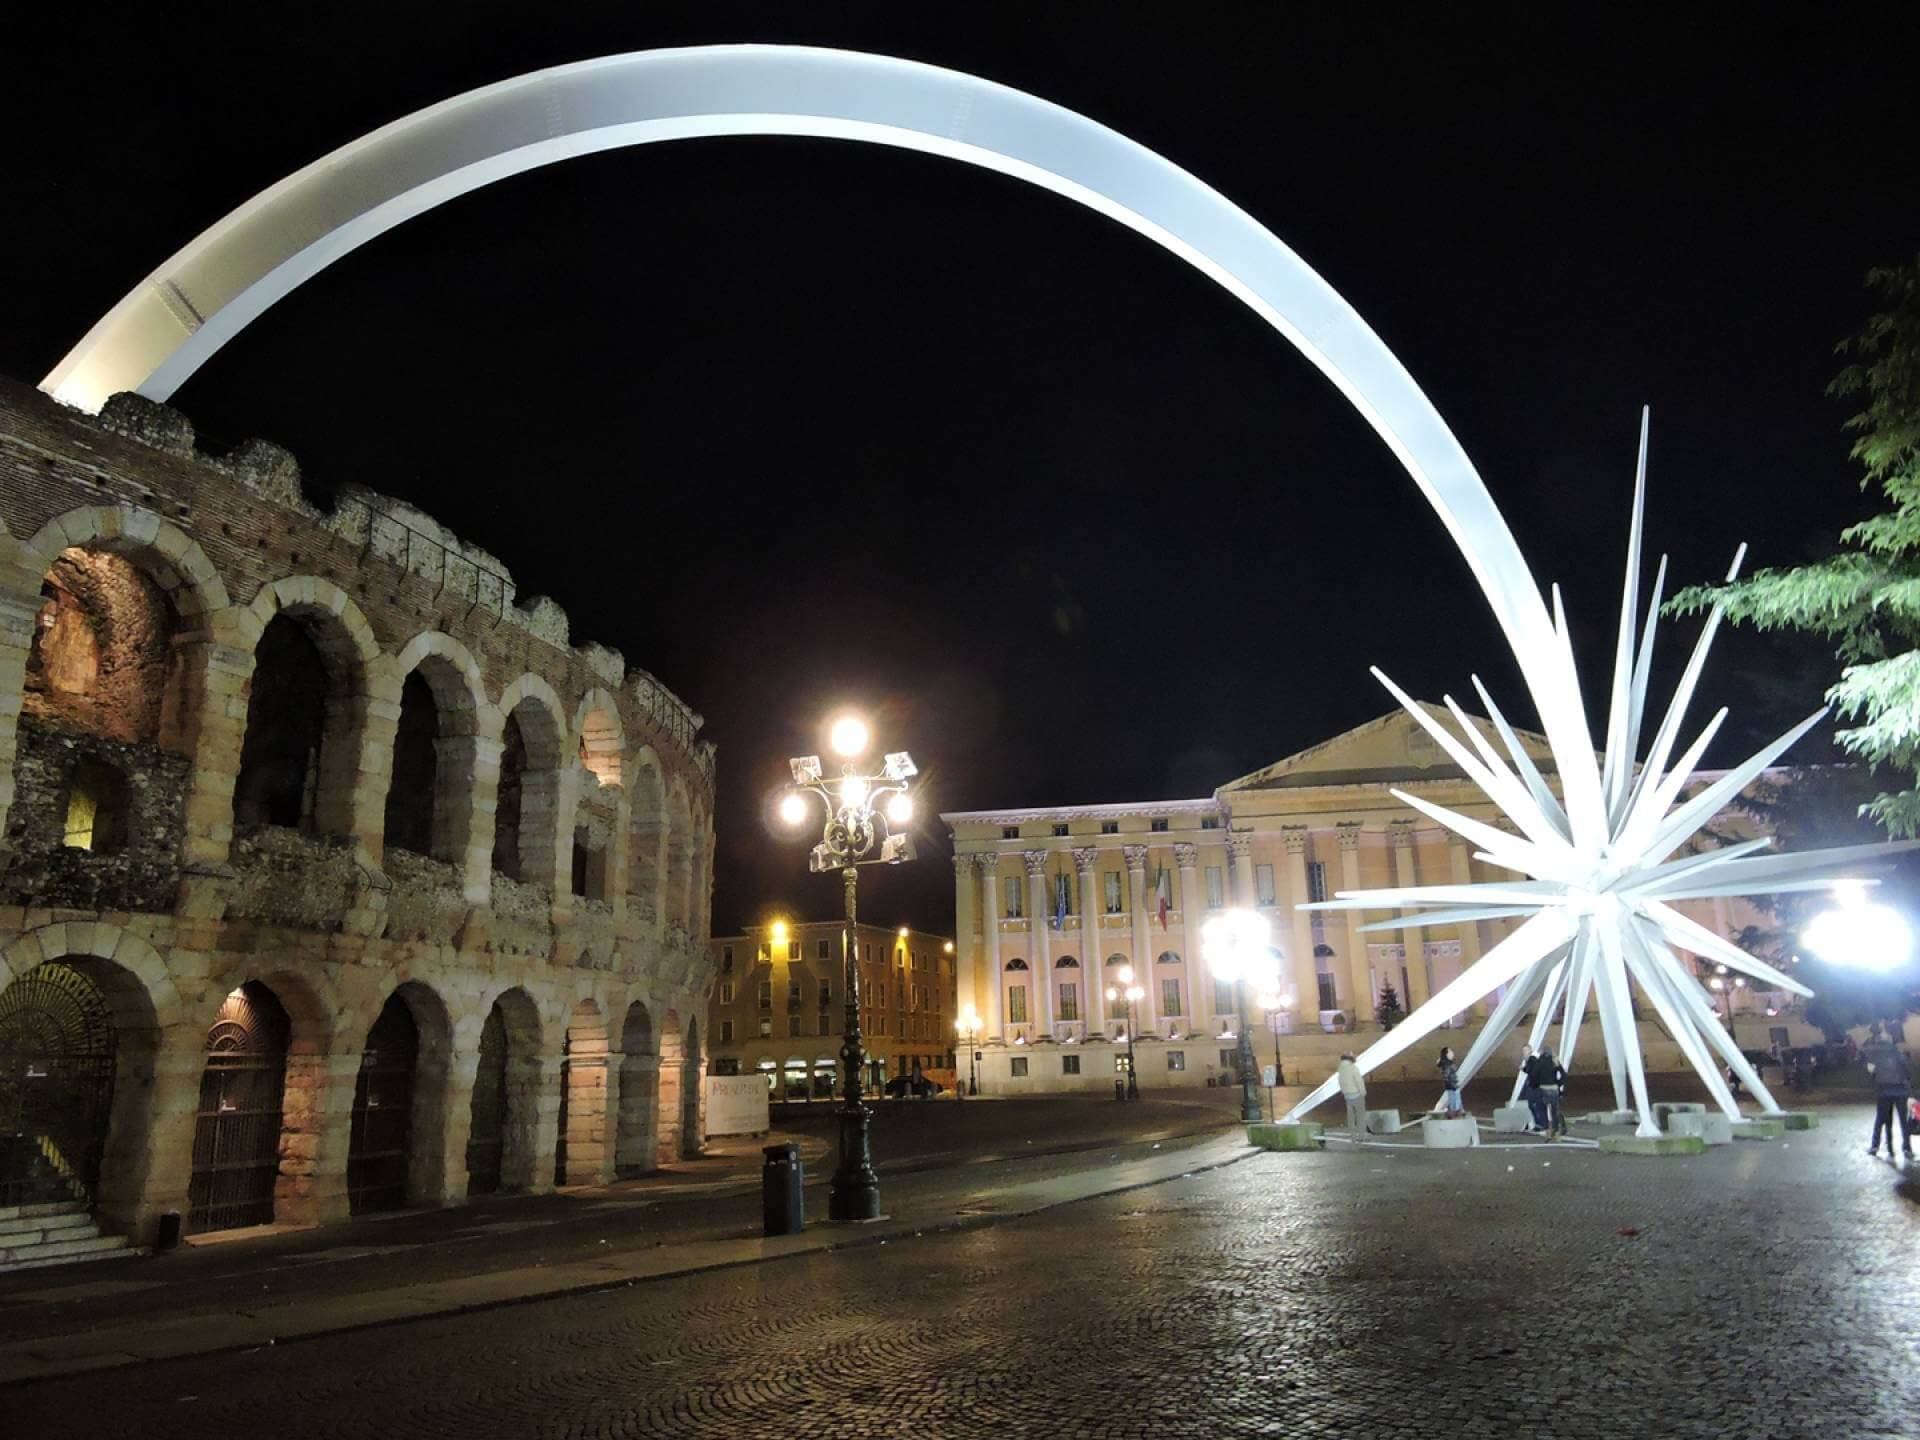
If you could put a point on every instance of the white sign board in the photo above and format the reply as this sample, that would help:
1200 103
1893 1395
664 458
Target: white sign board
736 1105
1267 1075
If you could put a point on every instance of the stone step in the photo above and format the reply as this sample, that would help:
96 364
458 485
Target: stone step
19 1232
53 1207
91 1246
113 1252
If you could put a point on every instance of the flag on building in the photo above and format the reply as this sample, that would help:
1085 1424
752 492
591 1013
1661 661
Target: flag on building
1163 891
1060 901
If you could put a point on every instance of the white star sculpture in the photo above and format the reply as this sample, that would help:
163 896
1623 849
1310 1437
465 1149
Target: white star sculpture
1598 890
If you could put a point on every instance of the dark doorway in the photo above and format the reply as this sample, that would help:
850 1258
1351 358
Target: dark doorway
382 1130
236 1137
486 1140
56 1086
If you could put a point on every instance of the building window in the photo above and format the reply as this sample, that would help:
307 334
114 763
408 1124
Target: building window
1176 1059
1063 894
1016 1004
1059 830
820 951
1263 884
826 993
879 1024
793 1024
1216 888
1316 881
766 954
1159 827
1327 998
726 992
880 995
1109 827
1113 892
1012 887
793 950
826 1024
726 959
1069 1064
1209 822
766 994
793 995
1009 832
726 1032
1169 997
1070 1001
766 1026
1222 997
1018 1067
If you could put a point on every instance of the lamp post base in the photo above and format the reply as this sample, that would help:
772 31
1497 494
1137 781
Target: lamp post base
855 1193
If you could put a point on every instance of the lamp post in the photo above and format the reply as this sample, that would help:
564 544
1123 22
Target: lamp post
1273 1002
1235 946
1132 994
968 1027
855 833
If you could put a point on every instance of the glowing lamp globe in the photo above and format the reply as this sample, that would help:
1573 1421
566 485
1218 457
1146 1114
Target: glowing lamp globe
900 809
849 736
793 809
1859 933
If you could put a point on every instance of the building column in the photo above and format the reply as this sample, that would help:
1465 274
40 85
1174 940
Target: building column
966 947
1240 847
1086 859
1305 977
1193 910
1360 989
1142 936
1460 872
1406 873
990 945
1041 959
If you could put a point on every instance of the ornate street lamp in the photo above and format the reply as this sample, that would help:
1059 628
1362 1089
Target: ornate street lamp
856 833
1272 1002
968 1028
1132 994
1236 949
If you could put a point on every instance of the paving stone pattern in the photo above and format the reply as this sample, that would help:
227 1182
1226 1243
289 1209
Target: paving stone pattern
1771 1290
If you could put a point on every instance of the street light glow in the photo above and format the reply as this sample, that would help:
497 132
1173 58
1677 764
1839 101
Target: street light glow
793 808
1860 933
849 736
900 809
853 792
1235 944
1124 975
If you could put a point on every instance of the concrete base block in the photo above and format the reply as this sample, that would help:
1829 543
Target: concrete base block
1800 1119
1286 1135
1612 1117
1458 1134
1759 1127
1511 1119
1652 1145
1665 1110
1715 1128
1383 1122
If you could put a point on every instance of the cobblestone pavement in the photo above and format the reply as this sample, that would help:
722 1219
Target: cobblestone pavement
1769 1289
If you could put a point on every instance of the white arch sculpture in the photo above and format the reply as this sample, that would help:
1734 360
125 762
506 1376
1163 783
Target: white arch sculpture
199 299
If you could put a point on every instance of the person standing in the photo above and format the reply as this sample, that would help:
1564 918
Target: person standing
1449 1081
1353 1089
1892 1084
1550 1076
1530 1090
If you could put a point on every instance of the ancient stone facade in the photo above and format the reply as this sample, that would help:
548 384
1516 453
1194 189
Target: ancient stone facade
334 876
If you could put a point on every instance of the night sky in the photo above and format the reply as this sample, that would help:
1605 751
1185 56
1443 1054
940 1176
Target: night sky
795 423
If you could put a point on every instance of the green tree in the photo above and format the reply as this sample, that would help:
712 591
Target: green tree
1865 598
1388 1011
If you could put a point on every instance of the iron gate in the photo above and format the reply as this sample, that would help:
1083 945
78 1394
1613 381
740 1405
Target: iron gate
236 1137
56 1086
560 1142
382 1129
485 1140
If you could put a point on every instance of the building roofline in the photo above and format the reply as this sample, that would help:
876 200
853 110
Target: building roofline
1075 812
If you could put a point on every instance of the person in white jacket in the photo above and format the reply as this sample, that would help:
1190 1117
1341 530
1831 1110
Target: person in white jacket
1353 1089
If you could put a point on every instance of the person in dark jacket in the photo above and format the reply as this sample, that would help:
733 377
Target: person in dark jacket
1449 1081
1530 1091
1892 1084
1549 1076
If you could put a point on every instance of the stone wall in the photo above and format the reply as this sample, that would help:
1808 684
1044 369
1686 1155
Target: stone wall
137 578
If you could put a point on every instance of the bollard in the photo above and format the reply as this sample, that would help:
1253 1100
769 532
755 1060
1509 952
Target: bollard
1119 1089
783 1205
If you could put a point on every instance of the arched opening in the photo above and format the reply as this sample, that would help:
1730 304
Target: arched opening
824 1071
601 743
679 866
589 862
58 1049
793 1079
506 1090
526 811
414 789
693 1139
508 800
298 741
597 795
635 1146
102 660
237 1132
97 808
673 1064
580 1157
380 1142
1067 998
647 873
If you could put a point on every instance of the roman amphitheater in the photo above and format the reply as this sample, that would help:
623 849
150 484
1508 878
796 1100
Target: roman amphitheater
336 877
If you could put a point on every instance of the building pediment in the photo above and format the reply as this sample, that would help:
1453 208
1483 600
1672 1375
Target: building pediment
1389 750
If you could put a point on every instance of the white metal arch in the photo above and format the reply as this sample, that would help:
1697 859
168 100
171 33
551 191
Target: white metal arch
164 330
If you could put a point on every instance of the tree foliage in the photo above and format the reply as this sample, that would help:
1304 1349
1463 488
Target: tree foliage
1865 598
1388 1011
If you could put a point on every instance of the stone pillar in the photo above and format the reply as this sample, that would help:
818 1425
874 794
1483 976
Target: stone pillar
1193 913
316 1131
356 765
147 1163
1360 993
18 610
1240 847
442 1123
466 790
215 731
1460 872
966 945
1305 976
1041 958
546 1121
1405 873
1086 859
1142 937
996 984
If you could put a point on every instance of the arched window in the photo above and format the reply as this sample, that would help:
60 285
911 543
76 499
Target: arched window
526 818
1016 964
589 866
97 808
508 800
412 794
1116 959
1066 962
101 660
280 759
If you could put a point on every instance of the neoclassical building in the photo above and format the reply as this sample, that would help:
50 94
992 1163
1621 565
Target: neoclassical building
336 877
1050 903
779 1005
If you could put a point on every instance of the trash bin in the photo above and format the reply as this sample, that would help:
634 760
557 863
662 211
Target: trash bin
783 1204
1119 1089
